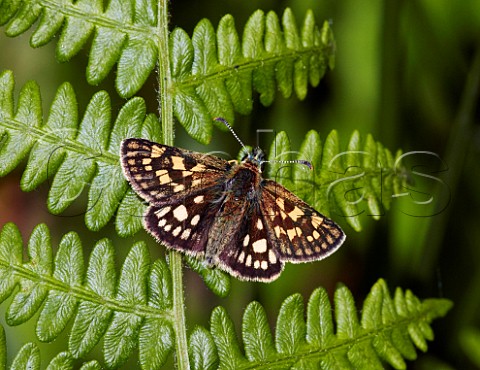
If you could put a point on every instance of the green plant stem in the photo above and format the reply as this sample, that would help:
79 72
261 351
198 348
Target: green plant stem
164 75
166 114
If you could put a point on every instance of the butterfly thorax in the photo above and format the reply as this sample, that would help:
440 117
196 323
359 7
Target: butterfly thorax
240 197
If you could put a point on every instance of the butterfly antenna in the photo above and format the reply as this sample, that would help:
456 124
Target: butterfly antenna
224 121
295 161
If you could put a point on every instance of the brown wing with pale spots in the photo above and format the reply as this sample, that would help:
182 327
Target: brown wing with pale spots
254 258
158 171
184 225
302 233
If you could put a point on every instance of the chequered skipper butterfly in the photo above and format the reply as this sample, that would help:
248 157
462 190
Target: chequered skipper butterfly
224 211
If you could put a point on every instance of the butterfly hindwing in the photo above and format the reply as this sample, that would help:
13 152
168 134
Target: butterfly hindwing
302 233
254 257
183 225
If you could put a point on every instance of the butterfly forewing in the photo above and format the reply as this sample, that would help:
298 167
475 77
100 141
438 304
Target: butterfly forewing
159 171
302 233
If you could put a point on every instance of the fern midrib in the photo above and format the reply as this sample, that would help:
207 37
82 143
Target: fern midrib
84 294
76 146
225 72
306 352
69 10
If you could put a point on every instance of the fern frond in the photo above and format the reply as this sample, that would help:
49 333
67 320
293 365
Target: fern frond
216 280
215 75
359 179
133 309
123 34
386 332
202 351
28 357
70 154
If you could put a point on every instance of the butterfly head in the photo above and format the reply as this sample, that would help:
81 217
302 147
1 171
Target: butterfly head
256 157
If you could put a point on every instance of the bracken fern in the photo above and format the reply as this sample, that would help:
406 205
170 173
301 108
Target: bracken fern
212 73
134 308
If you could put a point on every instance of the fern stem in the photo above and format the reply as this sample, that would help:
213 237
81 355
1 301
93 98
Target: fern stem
164 75
166 114
179 323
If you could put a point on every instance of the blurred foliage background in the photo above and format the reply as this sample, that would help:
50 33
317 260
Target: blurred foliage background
407 72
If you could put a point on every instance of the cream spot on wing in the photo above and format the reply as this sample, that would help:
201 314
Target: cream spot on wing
296 213
177 230
160 173
299 252
299 231
241 257
163 211
180 213
198 199
260 246
178 163
196 182
281 203
291 233
185 234
283 214
163 176
256 264
335 232
316 221
248 261
315 234
167 228
131 162
178 187
278 231
264 265
272 257
133 145
195 220
157 151
246 240
198 168
146 161
259 224
162 222
310 238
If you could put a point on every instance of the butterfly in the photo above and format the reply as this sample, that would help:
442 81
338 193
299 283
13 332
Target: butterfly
225 212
